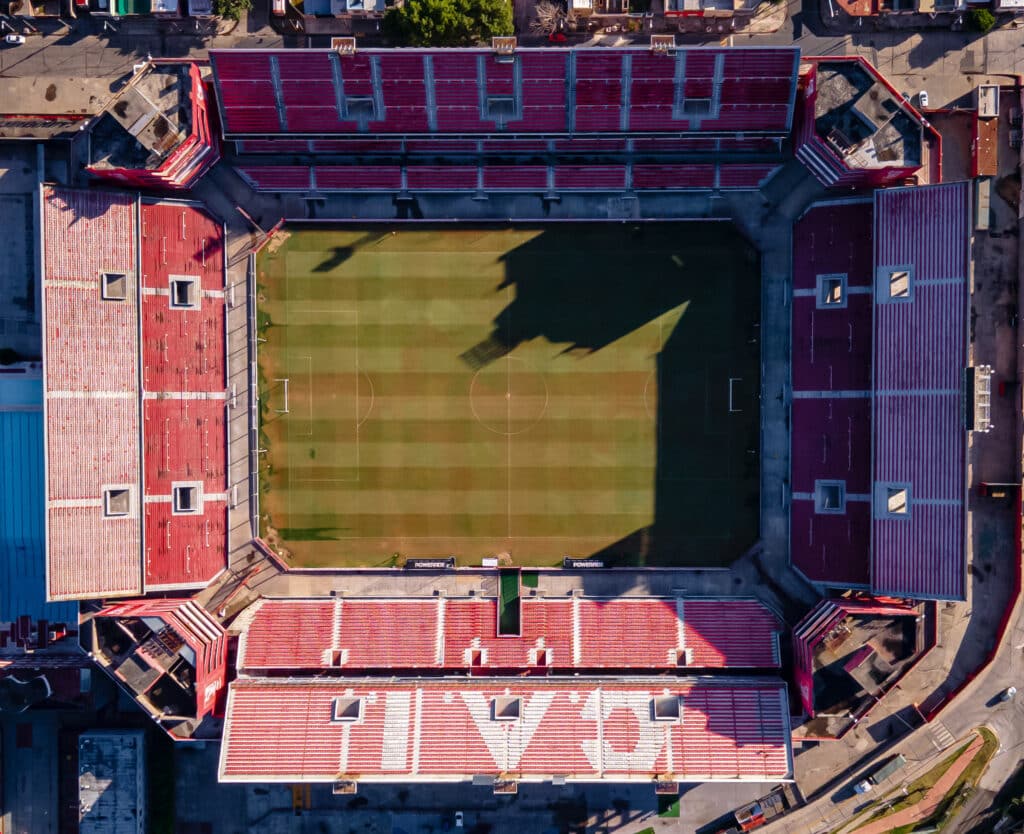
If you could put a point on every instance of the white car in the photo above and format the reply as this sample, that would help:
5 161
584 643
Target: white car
14 40
458 819
922 98
1008 693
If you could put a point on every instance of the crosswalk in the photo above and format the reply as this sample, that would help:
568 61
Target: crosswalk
943 737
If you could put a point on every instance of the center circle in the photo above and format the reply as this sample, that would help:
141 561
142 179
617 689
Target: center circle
507 397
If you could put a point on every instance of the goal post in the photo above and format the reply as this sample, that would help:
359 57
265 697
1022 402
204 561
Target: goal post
285 409
732 382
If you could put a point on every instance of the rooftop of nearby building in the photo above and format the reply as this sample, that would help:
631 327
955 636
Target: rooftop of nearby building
111 782
863 119
146 121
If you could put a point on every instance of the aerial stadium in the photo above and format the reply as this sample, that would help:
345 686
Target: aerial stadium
504 329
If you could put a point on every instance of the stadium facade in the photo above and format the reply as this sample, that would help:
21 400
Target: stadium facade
340 689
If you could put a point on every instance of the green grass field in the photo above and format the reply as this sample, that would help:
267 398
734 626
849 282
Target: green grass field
531 391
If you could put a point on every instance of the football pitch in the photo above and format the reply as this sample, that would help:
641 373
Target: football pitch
581 390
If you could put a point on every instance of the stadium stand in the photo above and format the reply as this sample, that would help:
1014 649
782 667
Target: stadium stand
586 730
879 351
922 262
125 515
91 395
417 92
645 633
831 378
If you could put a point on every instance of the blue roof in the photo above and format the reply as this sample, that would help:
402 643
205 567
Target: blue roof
23 507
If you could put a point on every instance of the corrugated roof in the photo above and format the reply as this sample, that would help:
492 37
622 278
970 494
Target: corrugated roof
23 506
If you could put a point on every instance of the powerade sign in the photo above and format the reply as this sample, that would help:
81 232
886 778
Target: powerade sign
580 564
431 564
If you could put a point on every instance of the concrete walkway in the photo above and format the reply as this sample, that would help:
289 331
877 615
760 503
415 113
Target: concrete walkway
927 806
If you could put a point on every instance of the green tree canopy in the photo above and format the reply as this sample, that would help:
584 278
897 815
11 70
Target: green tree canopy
448 22
231 9
980 20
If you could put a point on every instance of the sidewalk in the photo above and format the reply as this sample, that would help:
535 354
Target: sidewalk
927 806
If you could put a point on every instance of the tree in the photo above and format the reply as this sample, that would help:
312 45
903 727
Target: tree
448 22
231 9
980 20
547 17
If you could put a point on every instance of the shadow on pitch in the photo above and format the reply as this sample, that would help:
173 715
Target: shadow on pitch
582 288
341 254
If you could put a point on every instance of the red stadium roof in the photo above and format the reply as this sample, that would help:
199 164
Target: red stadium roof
469 91
922 257
460 633
108 433
399 731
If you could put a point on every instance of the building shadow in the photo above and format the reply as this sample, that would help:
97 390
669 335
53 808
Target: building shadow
703 282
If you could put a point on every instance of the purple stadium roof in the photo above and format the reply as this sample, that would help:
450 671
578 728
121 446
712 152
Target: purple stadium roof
471 92
922 251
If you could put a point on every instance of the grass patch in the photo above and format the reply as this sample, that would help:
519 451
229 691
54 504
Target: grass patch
647 830
668 806
546 391
530 578
309 534
918 789
955 796
508 602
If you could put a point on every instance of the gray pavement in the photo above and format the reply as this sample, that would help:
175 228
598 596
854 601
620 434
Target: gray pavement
425 809
28 775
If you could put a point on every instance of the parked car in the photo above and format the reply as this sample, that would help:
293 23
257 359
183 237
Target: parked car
922 98
14 40
458 819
